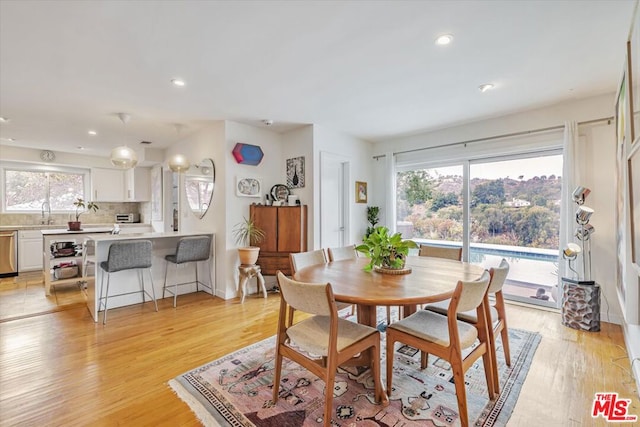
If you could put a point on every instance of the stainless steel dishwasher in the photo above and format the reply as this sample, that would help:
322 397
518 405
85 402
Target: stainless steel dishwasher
8 253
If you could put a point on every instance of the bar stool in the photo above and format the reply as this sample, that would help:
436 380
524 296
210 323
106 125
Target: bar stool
190 249
127 255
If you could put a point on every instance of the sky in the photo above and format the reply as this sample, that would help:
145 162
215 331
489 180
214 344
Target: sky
548 165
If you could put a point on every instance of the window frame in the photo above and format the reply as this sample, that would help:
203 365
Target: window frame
29 167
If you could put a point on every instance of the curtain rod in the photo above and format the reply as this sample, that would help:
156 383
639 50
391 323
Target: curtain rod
505 135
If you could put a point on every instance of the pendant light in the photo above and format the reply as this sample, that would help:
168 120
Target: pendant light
178 162
123 156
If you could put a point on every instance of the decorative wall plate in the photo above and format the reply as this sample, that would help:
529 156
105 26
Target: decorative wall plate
280 192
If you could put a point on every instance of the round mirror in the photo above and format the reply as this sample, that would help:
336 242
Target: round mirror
198 182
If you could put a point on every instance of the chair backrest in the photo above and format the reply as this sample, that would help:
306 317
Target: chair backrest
313 298
129 254
471 293
441 252
345 252
193 248
498 276
305 259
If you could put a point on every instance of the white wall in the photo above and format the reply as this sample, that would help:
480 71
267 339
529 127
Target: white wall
271 171
358 152
207 143
296 143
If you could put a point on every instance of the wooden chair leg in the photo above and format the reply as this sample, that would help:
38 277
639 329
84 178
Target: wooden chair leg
328 394
461 393
390 354
388 315
505 345
277 371
424 359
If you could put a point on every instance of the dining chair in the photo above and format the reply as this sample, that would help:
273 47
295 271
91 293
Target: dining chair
323 334
441 252
447 337
189 249
342 253
124 256
497 311
301 260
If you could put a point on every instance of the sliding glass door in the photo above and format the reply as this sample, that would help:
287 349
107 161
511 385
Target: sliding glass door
499 207
515 214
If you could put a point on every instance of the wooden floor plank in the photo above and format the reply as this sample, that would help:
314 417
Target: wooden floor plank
61 368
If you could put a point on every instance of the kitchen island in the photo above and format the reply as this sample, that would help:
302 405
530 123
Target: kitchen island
96 250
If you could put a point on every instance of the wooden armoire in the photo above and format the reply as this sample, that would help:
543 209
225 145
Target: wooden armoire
285 229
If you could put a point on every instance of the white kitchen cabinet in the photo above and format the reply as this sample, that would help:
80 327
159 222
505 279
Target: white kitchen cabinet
107 185
138 185
29 250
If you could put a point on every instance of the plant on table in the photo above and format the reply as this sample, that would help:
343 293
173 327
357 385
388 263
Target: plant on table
386 251
80 203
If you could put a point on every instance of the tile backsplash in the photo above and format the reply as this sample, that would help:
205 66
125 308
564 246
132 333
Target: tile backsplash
104 215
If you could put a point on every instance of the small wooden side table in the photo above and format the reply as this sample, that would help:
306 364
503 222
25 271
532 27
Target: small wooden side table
249 271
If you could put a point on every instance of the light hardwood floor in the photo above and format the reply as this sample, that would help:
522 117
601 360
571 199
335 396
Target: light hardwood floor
61 368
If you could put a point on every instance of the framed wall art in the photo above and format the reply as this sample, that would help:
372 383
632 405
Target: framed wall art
633 57
361 192
634 203
248 187
295 172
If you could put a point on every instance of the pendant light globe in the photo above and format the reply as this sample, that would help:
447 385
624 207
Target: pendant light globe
124 157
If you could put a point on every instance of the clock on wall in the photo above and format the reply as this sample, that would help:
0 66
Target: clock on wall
47 155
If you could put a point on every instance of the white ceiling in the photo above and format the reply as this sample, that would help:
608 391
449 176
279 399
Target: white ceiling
365 68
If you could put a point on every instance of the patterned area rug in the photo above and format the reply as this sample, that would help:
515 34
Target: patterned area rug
236 389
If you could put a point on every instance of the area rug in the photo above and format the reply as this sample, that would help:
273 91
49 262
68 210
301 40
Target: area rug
236 390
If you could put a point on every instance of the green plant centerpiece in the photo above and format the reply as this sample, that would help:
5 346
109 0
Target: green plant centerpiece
373 217
80 203
247 233
387 252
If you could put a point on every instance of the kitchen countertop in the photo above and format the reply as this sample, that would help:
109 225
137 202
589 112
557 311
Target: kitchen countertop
58 231
85 227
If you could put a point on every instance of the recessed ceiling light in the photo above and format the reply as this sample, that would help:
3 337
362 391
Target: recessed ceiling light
178 82
267 122
80 147
4 119
485 87
9 139
444 39
92 132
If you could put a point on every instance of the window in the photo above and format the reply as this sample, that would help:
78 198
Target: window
511 210
27 188
429 204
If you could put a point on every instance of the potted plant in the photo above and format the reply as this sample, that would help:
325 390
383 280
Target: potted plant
86 206
245 234
373 217
387 252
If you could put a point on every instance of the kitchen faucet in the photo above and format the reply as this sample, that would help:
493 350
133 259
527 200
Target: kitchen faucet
42 221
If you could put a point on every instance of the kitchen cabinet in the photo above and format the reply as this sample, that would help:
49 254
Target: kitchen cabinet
107 185
29 250
116 185
138 185
285 230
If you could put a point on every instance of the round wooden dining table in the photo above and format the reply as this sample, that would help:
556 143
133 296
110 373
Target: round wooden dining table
431 280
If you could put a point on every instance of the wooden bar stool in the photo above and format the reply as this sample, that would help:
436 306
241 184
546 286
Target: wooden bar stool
247 272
